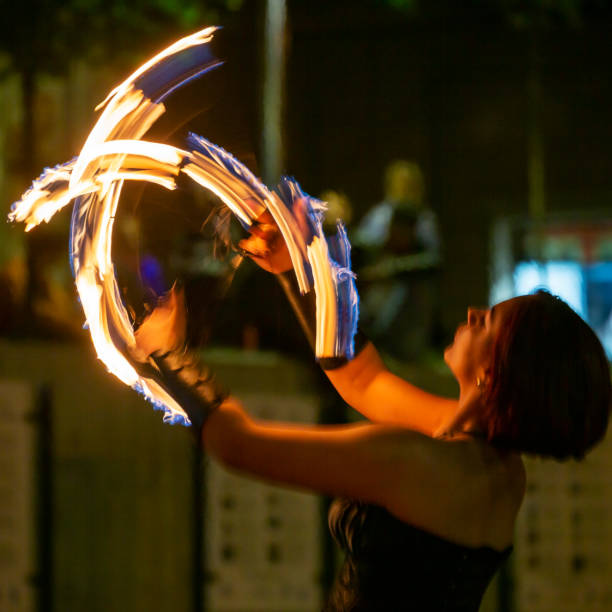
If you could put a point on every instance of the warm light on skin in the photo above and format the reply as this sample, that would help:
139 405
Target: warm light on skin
469 356
469 359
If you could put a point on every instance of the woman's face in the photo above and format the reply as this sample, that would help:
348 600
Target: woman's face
469 356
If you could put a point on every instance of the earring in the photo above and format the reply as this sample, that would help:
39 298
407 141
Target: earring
479 382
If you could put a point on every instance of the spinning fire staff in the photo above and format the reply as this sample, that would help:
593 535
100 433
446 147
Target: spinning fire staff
428 488
114 152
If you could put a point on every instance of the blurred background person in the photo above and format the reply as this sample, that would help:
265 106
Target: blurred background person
398 247
339 207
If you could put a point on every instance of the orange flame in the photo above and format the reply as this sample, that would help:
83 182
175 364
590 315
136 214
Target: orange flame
114 152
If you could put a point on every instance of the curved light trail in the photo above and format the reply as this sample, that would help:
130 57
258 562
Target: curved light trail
115 152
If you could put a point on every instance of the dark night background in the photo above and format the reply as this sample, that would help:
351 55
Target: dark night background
448 85
505 104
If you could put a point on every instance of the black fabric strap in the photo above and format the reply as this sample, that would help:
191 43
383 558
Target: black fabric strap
333 363
191 383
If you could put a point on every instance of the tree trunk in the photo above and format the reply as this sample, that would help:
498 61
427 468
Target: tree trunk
273 154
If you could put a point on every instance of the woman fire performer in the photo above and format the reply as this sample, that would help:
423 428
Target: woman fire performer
428 488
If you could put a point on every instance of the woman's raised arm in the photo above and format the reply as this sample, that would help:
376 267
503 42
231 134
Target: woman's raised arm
430 483
366 384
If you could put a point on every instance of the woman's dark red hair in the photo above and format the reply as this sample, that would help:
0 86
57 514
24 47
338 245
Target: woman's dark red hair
549 388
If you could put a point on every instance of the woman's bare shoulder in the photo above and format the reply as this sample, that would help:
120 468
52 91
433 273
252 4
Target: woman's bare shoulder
473 497
504 482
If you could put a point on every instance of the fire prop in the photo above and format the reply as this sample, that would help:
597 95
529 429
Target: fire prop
115 152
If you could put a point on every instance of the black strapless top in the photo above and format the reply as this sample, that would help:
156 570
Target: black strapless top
392 566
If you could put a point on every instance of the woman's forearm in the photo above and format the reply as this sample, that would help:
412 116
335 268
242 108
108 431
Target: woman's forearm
354 379
367 385
221 434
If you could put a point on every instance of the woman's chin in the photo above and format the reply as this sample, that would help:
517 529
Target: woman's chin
447 354
448 359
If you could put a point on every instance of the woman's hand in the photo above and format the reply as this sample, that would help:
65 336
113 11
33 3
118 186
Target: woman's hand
266 245
160 353
164 328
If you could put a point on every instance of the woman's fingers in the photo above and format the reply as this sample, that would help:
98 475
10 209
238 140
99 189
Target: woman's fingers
266 246
254 246
264 231
165 327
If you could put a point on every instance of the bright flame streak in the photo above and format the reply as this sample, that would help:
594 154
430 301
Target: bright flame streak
137 175
235 194
34 215
91 294
325 344
293 239
156 394
222 191
113 153
103 238
99 293
48 208
112 116
161 153
199 38
39 191
127 116
39 203
138 122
